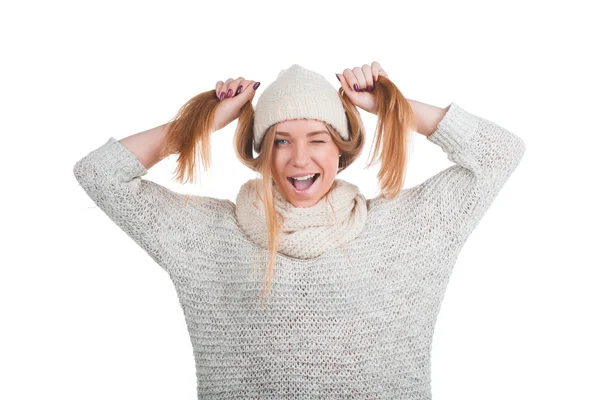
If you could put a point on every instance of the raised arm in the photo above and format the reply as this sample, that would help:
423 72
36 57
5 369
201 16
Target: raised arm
153 216
485 155
148 145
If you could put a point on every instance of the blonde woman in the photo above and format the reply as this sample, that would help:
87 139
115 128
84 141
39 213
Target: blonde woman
303 287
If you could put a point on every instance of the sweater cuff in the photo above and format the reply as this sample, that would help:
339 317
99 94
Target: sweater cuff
114 155
455 130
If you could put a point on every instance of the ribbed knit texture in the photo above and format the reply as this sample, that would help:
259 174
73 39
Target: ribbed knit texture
353 323
307 232
299 93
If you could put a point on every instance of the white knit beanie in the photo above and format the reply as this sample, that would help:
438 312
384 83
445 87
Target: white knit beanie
299 93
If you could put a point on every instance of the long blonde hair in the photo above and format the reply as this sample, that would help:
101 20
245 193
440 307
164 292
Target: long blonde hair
395 119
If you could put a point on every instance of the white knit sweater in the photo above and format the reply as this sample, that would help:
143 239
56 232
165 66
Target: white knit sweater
357 328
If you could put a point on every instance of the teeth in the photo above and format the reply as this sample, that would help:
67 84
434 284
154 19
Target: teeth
303 178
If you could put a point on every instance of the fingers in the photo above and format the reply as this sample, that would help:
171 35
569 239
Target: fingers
246 89
231 87
380 72
344 82
362 79
222 88
218 87
238 84
368 76
377 70
351 80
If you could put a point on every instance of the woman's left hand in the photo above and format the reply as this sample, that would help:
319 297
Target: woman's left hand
359 83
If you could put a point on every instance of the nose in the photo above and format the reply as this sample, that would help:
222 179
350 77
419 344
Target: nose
300 156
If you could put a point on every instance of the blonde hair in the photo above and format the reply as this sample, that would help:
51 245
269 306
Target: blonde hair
191 128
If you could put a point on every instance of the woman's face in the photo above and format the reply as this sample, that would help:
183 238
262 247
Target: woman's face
304 147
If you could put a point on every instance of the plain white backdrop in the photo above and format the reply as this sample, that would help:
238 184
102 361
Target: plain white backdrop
85 313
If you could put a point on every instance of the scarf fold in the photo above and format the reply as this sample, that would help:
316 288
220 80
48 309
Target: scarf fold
306 232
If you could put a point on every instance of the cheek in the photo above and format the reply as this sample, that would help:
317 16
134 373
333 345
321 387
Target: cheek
333 159
277 164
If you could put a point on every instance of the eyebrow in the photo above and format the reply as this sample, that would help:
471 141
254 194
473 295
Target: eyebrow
308 134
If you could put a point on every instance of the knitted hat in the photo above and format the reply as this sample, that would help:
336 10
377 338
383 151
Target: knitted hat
298 93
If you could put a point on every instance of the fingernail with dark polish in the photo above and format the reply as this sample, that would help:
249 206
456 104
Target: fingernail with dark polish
239 89
222 96
356 87
338 78
229 93
256 85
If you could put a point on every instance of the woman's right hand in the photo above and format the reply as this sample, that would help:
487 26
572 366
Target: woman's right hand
233 94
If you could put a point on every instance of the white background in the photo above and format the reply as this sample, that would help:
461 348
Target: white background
85 313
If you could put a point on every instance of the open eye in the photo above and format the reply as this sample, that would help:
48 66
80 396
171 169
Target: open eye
279 140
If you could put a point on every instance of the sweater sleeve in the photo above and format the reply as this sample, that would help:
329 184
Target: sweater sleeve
485 155
152 215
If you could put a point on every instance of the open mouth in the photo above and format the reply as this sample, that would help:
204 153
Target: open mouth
302 186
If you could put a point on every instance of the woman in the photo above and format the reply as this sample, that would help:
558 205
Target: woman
354 285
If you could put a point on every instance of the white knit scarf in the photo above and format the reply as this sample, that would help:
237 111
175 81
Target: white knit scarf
307 232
